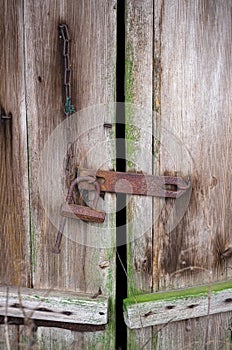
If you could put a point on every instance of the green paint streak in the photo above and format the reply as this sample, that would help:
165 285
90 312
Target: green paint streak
178 294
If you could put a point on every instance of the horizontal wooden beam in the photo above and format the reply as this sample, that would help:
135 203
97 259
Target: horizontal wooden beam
165 307
53 306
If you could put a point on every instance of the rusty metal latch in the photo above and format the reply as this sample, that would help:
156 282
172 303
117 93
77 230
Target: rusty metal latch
115 182
137 184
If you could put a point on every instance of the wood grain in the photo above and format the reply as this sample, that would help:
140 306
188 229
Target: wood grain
195 105
191 93
194 100
14 199
92 28
152 313
54 306
138 91
14 218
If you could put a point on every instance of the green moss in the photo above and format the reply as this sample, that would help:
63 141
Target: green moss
132 132
129 76
178 294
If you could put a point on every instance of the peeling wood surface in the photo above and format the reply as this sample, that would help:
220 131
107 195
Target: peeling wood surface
53 306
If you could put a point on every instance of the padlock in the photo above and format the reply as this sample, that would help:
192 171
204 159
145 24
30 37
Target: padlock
75 211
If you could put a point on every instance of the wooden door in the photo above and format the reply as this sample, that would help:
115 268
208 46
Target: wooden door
32 90
178 65
178 123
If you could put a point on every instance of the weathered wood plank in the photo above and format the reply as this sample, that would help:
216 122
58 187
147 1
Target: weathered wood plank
14 217
163 308
54 306
138 92
9 337
92 27
196 106
190 105
14 194
193 334
193 99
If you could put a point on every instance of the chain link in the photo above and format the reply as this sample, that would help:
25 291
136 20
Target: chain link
64 34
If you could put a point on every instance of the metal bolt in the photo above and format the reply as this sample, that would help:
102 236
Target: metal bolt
107 125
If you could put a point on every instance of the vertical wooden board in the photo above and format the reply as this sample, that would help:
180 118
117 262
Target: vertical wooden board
14 206
46 338
92 27
195 105
14 218
9 337
138 92
192 334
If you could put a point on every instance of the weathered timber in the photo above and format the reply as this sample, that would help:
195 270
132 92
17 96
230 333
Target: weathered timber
57 306
171 306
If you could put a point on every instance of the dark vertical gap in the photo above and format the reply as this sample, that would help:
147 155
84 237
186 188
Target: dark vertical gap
121 263
153 137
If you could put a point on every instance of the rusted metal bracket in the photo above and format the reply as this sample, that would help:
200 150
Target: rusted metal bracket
137 184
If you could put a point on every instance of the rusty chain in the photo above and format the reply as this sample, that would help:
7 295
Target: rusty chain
64 34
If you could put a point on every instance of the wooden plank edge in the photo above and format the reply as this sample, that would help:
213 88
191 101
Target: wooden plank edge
178 293
157 312
53 306
76 327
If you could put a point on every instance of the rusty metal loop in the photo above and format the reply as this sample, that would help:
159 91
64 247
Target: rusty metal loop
91 180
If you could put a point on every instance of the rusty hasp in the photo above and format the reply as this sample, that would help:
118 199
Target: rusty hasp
138 184
74 211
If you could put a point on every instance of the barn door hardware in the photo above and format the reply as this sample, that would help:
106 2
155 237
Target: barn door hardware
75 211
138 184
3 115
115 182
